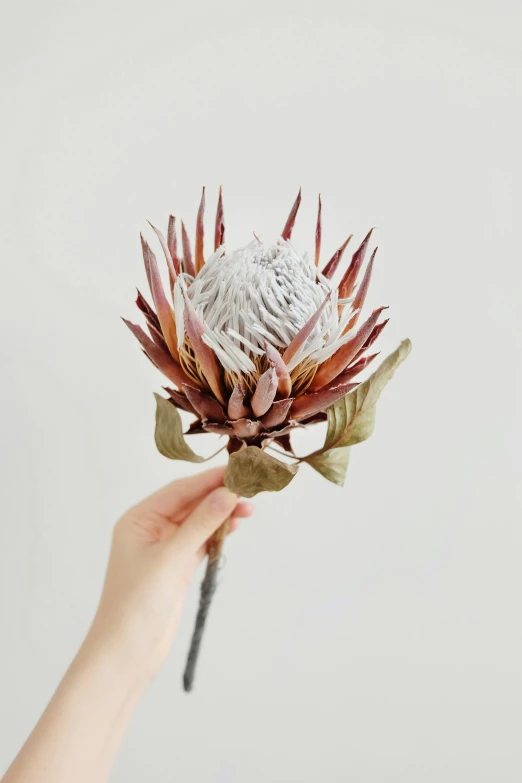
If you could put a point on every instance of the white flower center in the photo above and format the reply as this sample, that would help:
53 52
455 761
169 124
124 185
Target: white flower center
261 293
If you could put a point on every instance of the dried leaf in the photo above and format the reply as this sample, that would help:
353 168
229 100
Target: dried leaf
251 470
169 433
351 419
331 464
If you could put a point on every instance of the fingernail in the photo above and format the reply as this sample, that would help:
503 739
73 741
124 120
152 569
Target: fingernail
222 500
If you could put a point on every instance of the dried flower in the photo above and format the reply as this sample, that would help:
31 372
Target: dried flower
257 342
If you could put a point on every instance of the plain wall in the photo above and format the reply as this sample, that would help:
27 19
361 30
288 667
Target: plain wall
369 634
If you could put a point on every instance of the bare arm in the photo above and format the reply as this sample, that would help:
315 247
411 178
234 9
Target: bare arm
156 547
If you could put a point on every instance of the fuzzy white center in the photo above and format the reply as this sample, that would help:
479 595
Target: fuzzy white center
261 293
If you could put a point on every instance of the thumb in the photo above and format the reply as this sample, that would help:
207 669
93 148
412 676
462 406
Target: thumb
205 519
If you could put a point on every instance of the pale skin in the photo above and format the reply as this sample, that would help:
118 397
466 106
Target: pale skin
156 547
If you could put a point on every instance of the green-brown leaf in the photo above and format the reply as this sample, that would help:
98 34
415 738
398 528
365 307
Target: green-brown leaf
169 433
331 464
252 470
352 419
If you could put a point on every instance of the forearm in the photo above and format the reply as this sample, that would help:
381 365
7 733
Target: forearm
79 733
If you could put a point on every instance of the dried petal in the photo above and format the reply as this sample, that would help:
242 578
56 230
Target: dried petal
354 369
163 309
341 359
188 264
360 296
284 382
204 354
277 414
308 404
147 311
265 392
219 231
218 429
180 400
335 260
303 334
172 244
166 251
200 234
318 233
289 225
246 428
349 280
236 405
205 406
163 360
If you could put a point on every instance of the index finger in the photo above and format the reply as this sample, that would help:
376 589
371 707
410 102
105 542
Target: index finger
181 494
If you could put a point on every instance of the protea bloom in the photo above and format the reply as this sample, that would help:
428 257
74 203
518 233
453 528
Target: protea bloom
256 341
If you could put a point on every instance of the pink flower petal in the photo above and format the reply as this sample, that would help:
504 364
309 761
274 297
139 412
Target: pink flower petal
332 367
335 260
360 296
163 309
219 231
206 407
277 414
308 404
163 360
246 428
236 404
303 334
166 252
318 233
172 244
289 225
349 280
200 234
265 392
204 354
284 382
188 263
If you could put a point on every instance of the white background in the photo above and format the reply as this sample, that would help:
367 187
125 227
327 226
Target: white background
369 634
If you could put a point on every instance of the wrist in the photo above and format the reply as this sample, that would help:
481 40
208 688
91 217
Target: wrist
112 653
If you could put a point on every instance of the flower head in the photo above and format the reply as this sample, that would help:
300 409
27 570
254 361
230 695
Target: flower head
259 340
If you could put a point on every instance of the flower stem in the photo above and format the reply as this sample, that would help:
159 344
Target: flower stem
208 588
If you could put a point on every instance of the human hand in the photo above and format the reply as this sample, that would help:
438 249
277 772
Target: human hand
156 548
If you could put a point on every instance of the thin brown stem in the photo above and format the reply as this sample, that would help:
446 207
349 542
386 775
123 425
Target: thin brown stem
208 588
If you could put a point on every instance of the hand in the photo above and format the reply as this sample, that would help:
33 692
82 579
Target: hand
156 548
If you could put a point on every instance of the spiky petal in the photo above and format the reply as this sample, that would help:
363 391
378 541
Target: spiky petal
188 263
316 402
304 333
163 360
360 296
200 234
318 232
340 360
349 280
284 381
289 225
205 405
163 309
172 243
335 260
219 231
205 355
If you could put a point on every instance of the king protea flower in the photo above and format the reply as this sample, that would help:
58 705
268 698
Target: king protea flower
259 340
256 342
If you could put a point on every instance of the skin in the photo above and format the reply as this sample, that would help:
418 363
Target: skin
156 547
